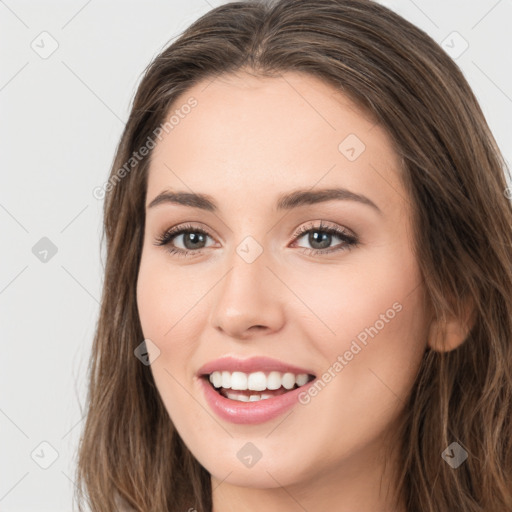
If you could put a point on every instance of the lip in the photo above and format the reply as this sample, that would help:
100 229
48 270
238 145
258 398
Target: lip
248 413
252 364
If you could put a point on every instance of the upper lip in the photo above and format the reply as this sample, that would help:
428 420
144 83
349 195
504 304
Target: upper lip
252 364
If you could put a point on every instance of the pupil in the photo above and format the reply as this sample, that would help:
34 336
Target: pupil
194 238
324 242
315 237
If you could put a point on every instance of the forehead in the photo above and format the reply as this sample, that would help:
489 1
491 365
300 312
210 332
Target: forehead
248 136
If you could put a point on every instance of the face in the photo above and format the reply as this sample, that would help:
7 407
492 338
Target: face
311 299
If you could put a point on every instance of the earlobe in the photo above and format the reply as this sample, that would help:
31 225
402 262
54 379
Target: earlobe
448 334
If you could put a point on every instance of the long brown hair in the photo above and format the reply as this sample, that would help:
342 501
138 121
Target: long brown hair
455 177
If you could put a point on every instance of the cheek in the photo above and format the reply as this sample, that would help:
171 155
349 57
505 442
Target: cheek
371 295
165 315
371 360
171 305
160 310
373 325
166 308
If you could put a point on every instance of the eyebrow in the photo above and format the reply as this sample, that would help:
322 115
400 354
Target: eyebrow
286 201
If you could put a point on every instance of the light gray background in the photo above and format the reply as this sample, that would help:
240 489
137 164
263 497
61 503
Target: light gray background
61 118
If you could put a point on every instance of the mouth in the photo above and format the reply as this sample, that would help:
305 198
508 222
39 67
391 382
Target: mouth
255 386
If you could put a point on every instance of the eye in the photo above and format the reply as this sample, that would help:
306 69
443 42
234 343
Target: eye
320 238
193 239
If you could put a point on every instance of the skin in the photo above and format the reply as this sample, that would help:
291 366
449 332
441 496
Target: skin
247 141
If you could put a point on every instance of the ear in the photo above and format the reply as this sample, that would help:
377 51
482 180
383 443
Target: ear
449 333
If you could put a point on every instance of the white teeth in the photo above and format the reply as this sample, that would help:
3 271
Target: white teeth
257 381
288 380
238 380
226 379
274 380
216 379
238 396
301 379
244 398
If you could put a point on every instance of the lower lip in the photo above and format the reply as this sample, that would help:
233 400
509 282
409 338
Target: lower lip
247 413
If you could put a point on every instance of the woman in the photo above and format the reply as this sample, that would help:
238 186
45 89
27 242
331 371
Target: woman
235 367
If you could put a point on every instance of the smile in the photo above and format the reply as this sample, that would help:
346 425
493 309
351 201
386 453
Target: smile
254 390
256 386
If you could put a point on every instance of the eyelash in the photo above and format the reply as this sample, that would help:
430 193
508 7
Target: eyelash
350 241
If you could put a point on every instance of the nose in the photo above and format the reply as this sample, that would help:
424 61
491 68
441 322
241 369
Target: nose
248 300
